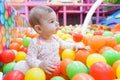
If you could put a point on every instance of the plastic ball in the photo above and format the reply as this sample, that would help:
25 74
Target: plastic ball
20 56
35 74
68 53
21 66
14 75
83 76
107 33
26 41
115 65
57 78
104 49
93 58
117 47
75 67
82 55
18 40
118 72
86 39
96 42
102 71
7 56
8 67
55 73
14 46
117 37
111 56
63 65
110 41
77 37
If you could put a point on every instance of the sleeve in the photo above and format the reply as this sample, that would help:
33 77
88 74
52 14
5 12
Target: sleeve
32 55
66 44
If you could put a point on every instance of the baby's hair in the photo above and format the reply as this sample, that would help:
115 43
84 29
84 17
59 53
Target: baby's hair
36 13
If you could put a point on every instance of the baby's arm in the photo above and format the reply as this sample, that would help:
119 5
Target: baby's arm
70 45
32 54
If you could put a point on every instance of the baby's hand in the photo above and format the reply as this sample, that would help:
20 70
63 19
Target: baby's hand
79 45
47 67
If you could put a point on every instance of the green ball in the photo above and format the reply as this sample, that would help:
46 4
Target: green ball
75 67
107 33
117 38
26 41
8 67
57 78
111 56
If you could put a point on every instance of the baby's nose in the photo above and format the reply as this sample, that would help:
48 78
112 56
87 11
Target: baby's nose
57 23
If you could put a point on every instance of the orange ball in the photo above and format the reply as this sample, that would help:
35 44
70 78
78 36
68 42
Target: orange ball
110 41
117 47
86 39
82 76
82 55
14 46
115 65
96 42
63 65
18 40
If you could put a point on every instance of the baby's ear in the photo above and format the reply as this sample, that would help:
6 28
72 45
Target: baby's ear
37 28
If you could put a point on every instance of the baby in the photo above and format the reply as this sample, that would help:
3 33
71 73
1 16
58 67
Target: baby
43 51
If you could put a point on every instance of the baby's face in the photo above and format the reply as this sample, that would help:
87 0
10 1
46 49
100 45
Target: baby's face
49 24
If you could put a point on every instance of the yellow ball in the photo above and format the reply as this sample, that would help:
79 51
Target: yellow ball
59 34
35 74
66 36
20 56
68 53
118 72
93 58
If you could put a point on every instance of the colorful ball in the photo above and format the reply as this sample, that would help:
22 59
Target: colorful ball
14 46
118 72
77 37
63 65
57 78
93 58
107 33
102 71
26 41
7 56
8 67
117 37
111 56
20 56
115 65
35 74
21 66
82 55
55 73
75 67
97 42
83 76
14 75
68 53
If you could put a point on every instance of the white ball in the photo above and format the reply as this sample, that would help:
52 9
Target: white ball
22 66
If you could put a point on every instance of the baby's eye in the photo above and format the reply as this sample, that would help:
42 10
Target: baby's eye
51 21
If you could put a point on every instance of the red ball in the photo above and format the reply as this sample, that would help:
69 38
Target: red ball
77 37
102 71
55 73
14 75
98 32
7 56
24 49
